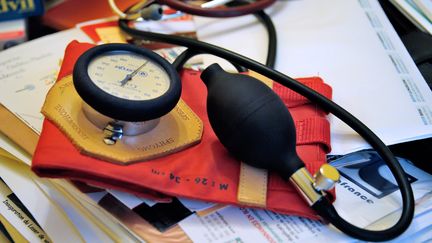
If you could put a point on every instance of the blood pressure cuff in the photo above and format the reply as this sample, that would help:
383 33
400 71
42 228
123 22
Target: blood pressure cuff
205 171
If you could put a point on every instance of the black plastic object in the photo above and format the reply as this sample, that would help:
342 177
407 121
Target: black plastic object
251 121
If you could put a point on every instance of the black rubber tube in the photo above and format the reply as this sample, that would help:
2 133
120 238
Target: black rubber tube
272 37
188 53
262 16
326 210
394 166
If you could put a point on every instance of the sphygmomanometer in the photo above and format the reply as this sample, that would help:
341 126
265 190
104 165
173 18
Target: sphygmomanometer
262 134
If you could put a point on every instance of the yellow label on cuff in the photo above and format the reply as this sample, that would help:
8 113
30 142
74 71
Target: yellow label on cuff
111 34
252 189
175 131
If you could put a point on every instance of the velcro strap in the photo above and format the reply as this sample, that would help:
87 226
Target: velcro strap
293 99
254 182
252 189
313 130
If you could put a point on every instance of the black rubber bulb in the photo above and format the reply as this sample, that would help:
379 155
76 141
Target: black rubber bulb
251 121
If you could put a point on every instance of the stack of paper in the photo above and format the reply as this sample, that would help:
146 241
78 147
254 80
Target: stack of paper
353 47
40 210
419 12
34 209
376 208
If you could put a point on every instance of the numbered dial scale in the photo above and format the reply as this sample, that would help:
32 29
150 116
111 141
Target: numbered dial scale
126 83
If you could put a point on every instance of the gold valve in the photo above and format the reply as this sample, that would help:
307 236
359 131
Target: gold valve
313 188
326 177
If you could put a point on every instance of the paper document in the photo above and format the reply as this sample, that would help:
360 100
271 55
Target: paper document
28 71
13 149
14 211
111 225
130 200
235 225
368 186
411 9
376 204
49 216
149 229
12 234
354 48
88 227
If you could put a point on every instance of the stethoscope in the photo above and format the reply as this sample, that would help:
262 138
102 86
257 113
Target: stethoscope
267 117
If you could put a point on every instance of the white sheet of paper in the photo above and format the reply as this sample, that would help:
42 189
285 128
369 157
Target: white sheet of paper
27 71
195 205
50 217
86 227
234 224
373 204
353 47
17 218
15 150
89 201
167 27
379 212
130 200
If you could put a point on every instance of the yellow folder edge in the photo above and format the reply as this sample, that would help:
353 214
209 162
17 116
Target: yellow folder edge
14 233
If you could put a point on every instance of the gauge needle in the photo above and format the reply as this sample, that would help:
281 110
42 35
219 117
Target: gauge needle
132 74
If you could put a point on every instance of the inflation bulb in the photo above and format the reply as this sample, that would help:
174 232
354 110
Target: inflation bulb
251 121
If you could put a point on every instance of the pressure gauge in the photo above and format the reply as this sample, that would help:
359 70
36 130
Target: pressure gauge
125 88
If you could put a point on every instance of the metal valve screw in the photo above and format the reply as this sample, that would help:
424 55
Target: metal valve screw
112 133
326 177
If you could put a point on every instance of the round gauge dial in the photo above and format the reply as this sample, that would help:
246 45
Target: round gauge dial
126 82
128 75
